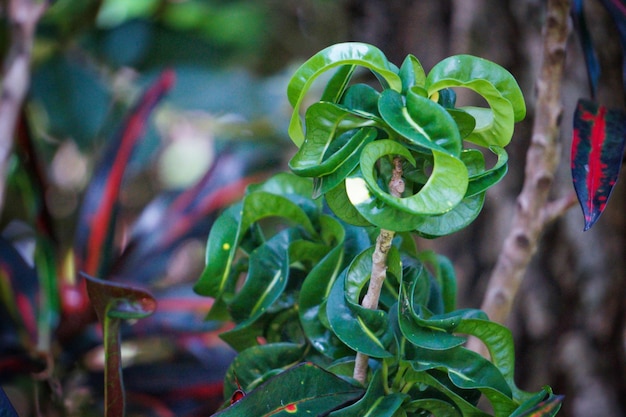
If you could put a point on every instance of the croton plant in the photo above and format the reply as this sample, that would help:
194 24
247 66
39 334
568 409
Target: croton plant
336 310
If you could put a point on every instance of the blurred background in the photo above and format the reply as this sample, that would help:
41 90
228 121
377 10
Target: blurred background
232 60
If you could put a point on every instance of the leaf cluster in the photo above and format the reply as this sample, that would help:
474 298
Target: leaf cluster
291 269
350 135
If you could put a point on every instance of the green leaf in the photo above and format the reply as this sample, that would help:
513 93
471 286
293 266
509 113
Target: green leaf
443 191
483 179
363 100
424 123
350 53
304 390
465 122
470 207
499 343
267 278
540 406
257 364
315 290
422 377
285 184
437 408
417 324
412 74
375 403
326 183
338 84
325 124
220 252
452 221
444 274
494 125
339 203
362 207
362 329
468 370
228 230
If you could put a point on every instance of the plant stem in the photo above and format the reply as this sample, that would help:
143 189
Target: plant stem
379 266
533 210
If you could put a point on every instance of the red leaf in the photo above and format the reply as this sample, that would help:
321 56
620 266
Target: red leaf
114 302
596 157
97 211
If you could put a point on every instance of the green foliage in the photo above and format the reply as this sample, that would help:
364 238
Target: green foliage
292 277
354 127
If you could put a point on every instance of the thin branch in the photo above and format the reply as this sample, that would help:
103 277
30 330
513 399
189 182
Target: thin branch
23 16
379 266
541 163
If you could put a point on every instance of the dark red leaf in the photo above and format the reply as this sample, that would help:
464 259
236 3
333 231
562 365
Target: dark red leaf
20 282
596 157
170 219
98 207
114 302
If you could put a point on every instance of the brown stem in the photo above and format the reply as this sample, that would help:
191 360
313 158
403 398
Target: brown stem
379 266
23 16
542 160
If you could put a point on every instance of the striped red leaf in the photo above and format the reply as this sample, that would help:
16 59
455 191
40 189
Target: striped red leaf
596 156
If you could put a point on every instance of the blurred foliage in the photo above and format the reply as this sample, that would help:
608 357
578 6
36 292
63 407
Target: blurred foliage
92 60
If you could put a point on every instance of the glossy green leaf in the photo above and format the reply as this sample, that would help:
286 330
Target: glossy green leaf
363 100
312 392
339 203
362 329
324 148
480 179
267 278
421 377
443 191
465 122
220 252
323 185
285 184
350 53
315 290
418 325
245 336
436 408
542 404
257 364
412 74
424 123
452 221
362 205
375 403
228 231
494 125
338 83
444 274
470 207
468 370
424 336
499 343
